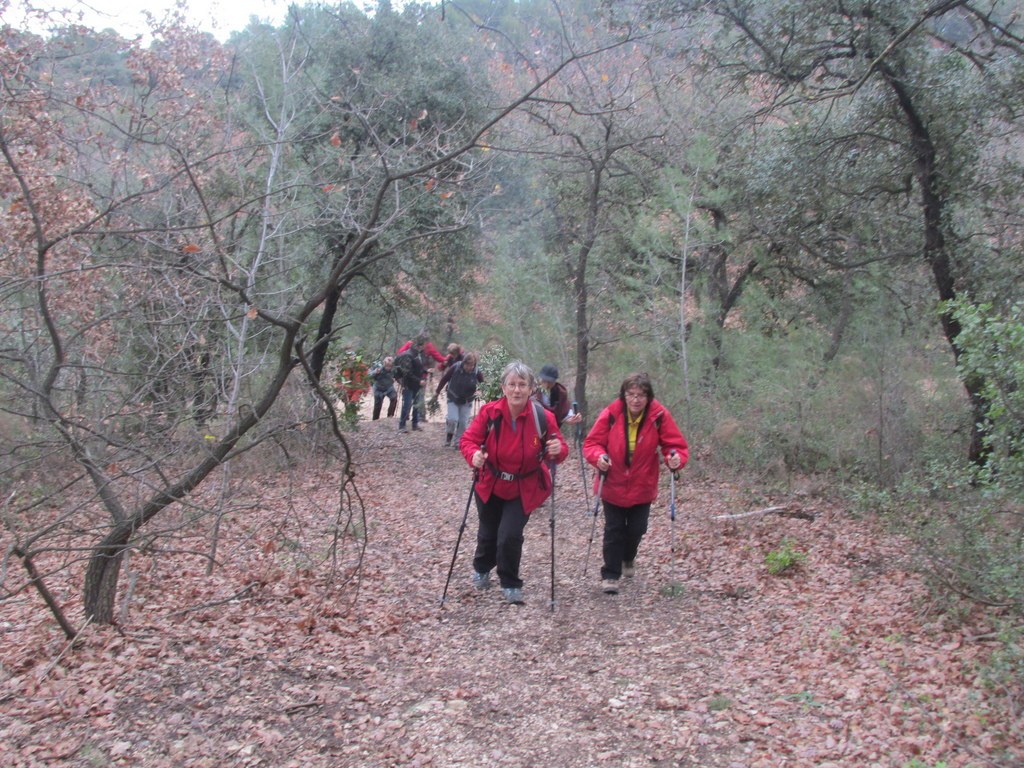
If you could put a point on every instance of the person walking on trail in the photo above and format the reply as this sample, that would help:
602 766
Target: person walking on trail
461 378
510 443
409 372
455 354
425 350
383 378
553 396
627 443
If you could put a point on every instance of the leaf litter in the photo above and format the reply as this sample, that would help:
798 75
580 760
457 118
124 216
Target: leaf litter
703 659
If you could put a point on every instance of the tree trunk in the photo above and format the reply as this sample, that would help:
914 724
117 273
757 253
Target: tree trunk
583 341
101 577
935 253
323 332
104 568
582 335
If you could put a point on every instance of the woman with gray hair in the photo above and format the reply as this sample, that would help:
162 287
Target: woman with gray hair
510 444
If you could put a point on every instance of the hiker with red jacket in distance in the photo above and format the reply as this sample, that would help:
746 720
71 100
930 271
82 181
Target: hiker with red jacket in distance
627 444
427 348
510 443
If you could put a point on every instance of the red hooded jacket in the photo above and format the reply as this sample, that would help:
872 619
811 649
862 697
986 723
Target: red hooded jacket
428 348
635 481
516 452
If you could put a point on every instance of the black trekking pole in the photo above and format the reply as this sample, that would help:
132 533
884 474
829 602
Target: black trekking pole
672 514
552 537
462 528
593 524
672 525
579 448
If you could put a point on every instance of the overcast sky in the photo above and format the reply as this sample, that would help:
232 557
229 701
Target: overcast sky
220 17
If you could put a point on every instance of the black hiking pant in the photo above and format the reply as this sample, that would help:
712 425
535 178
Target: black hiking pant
378 401
499 539
624 527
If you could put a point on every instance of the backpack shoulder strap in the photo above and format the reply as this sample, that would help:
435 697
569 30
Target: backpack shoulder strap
492 424
539 417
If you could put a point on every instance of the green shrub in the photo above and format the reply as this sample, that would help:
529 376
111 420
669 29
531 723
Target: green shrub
784 559
1003 672
492 362
992 358
719 703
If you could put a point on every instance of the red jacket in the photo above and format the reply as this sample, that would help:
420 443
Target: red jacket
428 349
635 481
513 451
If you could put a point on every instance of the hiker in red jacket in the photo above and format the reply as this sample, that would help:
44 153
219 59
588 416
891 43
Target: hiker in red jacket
510 443
628 441
427 348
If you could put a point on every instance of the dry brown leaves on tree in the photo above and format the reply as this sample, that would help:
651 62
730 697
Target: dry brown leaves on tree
703 659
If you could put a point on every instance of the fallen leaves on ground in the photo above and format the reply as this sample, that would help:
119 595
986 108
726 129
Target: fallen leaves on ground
291 655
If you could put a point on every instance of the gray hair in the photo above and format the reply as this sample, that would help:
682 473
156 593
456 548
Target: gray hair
518 368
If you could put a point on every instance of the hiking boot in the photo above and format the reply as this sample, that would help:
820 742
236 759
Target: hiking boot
481 580
628 568
513 595
403 430
610 586
417 428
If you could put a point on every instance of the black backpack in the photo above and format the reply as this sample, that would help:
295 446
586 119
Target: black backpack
461 384
408 369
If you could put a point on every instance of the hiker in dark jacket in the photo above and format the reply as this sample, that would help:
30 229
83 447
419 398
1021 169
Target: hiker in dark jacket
426 352
554 396
628 441
409 372
509 443
461 378
383 378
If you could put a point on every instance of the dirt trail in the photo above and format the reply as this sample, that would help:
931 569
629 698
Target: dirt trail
703 659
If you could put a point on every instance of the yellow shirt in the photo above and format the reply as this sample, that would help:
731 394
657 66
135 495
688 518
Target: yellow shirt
634 427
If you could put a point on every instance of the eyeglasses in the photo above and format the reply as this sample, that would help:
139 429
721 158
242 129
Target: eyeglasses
636 395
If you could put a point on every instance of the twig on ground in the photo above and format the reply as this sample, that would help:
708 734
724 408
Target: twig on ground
239 594
295 708
67 646
782 511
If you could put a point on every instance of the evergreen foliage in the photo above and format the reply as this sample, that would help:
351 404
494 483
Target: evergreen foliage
801 218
